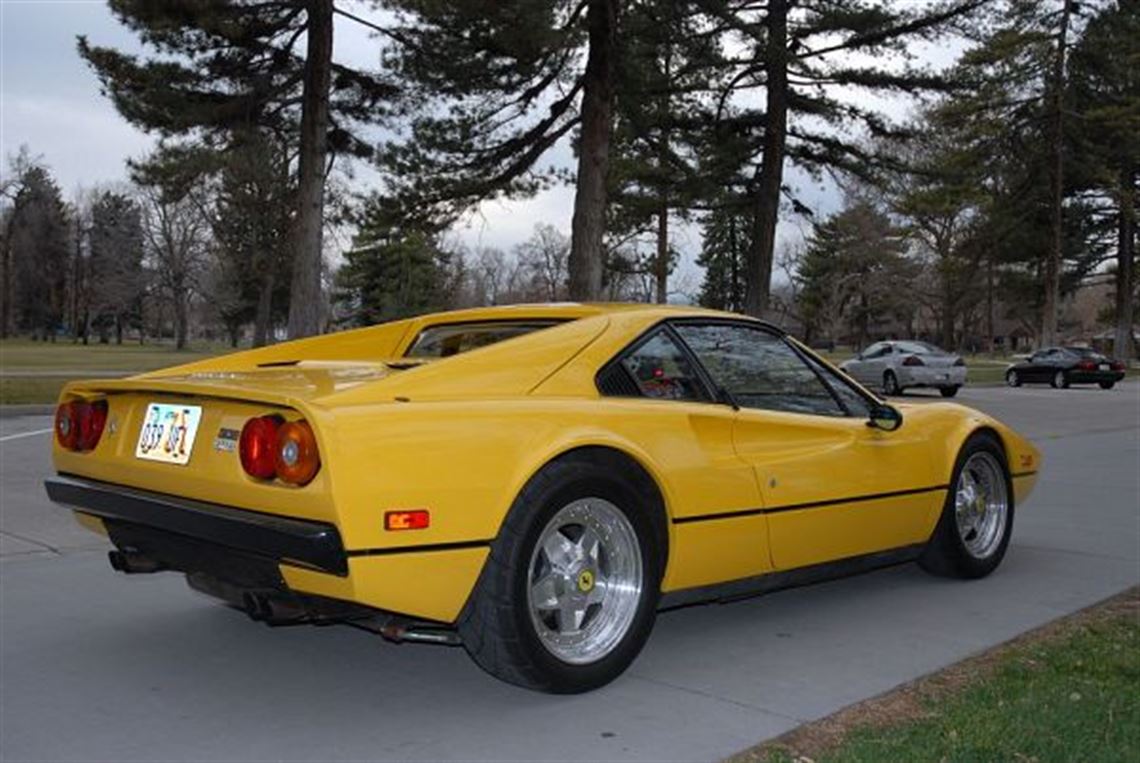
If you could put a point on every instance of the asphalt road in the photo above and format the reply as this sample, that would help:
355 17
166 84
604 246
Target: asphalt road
98 666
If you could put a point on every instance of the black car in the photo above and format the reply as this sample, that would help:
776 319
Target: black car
1062 366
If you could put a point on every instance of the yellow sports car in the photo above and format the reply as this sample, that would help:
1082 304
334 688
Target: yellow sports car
534 482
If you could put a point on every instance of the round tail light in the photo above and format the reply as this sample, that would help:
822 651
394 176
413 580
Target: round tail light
79 424
297 460
258 447
67 425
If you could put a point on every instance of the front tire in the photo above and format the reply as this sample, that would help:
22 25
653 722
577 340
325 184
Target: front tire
1107 385
569 593
948 391
1059 380
977 518
1012 378
891 384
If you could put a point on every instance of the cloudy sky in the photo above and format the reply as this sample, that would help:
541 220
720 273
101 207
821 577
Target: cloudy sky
50 102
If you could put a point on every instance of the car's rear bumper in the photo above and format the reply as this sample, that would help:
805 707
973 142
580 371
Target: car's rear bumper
1094 377
251 550
927 376
315 545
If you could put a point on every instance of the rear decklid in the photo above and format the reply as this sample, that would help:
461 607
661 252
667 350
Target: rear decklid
213 406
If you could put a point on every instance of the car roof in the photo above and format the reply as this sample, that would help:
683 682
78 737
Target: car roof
572 311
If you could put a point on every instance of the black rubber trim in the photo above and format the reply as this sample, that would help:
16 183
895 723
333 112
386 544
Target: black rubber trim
812 505
1015 475
779 580
313 544
456 546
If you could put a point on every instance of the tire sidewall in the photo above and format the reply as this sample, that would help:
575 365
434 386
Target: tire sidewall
1013 379
891 384
564 677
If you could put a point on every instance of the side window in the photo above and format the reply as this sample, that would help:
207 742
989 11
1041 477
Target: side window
853 400
759 369
660 369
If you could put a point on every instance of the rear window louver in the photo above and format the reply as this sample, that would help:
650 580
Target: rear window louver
614 381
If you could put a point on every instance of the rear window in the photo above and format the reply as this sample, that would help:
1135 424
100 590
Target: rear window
446 340
919 348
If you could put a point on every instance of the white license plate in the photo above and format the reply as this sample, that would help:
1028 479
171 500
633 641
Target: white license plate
1104 366
168 432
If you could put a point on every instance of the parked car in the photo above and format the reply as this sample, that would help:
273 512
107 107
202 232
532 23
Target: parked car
1064 366
895 367
532 482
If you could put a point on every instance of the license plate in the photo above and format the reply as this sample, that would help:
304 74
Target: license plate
1104 366
168 432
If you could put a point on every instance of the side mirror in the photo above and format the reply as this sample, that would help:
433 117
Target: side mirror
885 417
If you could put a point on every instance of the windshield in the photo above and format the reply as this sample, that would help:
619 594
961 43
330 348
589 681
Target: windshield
445 340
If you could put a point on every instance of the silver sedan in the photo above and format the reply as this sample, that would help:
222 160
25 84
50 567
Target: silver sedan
895 366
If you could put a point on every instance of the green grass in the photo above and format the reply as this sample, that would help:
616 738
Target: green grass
34 372
1070 698
22 355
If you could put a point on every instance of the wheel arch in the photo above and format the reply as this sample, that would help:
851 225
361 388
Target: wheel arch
625 460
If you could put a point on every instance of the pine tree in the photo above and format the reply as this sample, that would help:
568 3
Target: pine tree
724 247
115 271
497 84
798 53
220 66
1105 84
38 255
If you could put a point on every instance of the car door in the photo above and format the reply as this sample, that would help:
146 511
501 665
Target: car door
868 366
660 399
832 486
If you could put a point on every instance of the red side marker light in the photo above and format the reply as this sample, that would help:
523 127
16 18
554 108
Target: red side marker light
417 519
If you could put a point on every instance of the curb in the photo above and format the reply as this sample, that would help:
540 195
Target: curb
12 411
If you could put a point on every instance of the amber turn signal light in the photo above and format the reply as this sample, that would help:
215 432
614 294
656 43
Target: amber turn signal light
417 519
297 457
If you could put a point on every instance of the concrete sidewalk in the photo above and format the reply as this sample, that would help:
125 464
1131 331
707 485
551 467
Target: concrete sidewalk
99 666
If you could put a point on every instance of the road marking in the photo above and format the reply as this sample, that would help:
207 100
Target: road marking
6 438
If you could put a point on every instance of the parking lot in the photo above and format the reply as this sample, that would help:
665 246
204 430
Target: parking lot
99 666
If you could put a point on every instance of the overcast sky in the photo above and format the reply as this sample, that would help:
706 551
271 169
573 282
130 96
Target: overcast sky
50 102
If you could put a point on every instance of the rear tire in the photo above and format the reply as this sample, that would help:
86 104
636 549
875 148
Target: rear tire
891 384
547 614
1059 380
1012 378
1107 385
977 517
948 391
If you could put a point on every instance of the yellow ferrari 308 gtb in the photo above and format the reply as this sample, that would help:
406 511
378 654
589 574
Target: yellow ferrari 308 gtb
533 482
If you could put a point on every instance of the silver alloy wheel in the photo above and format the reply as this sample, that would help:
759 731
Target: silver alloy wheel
981 503
1059 379
1011 379
584 581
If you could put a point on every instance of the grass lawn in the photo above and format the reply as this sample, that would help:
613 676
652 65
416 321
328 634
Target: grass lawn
34 372
1068 692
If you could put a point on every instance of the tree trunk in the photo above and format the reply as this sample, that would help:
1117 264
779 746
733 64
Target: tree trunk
990 301
264 316
1056 184
181 319
589 224
662 269
758 270
118 329
1124 346
305 291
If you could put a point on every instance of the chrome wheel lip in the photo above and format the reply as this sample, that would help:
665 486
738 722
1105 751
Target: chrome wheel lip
584 581
981 505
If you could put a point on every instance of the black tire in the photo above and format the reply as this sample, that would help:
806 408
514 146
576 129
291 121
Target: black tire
1107 385
948 391
891 384
1059 380
1012 378
496 624
945 553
